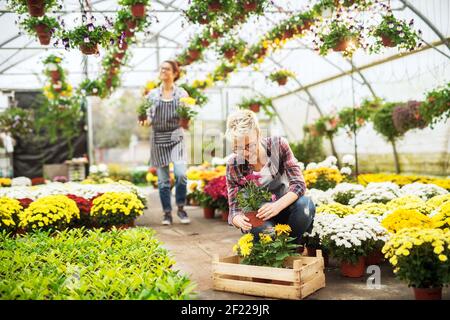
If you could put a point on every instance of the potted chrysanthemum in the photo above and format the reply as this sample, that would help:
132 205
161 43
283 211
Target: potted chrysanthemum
250 197
420 257
217 189
186 111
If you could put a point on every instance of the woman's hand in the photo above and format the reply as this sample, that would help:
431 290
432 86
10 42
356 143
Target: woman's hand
269 210
241 221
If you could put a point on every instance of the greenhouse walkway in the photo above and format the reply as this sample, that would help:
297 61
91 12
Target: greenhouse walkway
194 245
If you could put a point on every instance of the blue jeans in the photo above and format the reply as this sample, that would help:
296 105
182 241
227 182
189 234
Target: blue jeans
299 216
164 185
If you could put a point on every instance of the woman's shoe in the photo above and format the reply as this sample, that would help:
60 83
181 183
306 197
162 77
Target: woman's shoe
184 219
167 220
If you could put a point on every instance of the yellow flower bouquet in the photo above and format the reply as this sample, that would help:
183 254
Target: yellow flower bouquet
54 212
406 218
116 208
9 213
420 257
270 249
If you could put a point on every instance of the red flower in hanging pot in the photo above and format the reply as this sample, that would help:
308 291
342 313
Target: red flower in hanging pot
138 10
43 32
36 8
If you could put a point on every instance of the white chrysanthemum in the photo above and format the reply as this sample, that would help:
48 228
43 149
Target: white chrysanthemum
423 191
348 159
93 169
346 171
103 168
331 159
20 182
301 165
311 165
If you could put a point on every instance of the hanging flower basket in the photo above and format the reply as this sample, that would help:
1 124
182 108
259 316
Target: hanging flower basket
253 220
119 55
215 34
138 10
194 54
250 5
43 33
184 123
387 41
288 34
203 20
341 45
205 42
230 54
353 270
215 6
109 82
428 293
255 107
36 8
282 81
307 24
55 75
123 46
89 50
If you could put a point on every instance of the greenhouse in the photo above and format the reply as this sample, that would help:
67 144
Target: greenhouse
225 150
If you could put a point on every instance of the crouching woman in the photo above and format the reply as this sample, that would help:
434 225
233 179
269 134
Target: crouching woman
272 160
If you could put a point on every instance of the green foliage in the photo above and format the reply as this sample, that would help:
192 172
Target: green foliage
95 34
343 254
308 150
92 265
21 6
186 112
200 98
30 23
383 123
338 33
233 43
281 74
91 88
398 31
16 121
251 197
436 106
206 201
263 102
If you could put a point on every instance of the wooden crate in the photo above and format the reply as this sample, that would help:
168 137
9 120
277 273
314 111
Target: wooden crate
303 277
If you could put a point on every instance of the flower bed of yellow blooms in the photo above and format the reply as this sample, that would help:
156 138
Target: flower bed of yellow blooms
402 180
9 213
322 178
113 208
55 211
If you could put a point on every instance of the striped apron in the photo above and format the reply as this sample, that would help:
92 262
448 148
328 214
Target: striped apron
166 140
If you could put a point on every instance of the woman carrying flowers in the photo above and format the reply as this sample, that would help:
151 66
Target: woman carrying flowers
272 160
167 140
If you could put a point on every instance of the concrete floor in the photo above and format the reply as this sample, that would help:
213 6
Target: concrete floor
194 245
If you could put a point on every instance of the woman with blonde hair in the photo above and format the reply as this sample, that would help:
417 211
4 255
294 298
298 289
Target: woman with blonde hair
272 160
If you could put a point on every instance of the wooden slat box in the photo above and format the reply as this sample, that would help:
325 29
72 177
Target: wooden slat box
303 277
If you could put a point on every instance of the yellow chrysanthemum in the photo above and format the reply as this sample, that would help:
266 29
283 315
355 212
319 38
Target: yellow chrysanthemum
188 101
443 258
265 238
282 229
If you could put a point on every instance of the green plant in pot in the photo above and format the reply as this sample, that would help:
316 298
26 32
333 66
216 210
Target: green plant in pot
436 106
137 7
186 112
253 6
88 37
395 33
208 204
256 103
200 98
42 27
250 197
232 48
36 8
281 76
339 37
142 110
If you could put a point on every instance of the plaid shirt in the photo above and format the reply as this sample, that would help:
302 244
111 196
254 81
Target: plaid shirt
281 160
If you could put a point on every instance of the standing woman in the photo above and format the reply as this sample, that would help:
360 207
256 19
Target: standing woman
167 140
270 158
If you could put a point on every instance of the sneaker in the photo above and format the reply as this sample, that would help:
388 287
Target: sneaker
184 219
167 220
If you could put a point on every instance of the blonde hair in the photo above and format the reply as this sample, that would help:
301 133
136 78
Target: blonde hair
241 123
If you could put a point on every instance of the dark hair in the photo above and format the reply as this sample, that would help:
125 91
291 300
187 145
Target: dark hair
175 68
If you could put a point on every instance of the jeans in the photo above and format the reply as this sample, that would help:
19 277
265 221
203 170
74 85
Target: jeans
164 185
299 216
